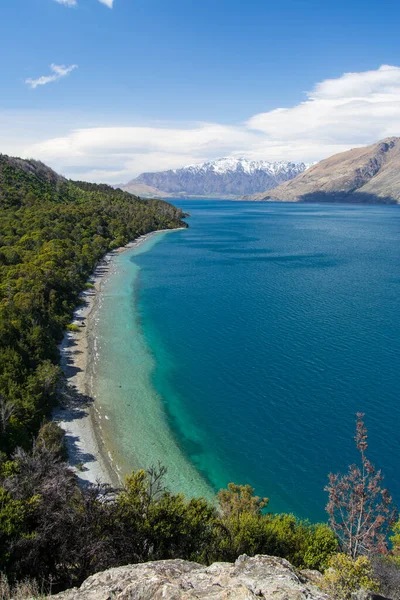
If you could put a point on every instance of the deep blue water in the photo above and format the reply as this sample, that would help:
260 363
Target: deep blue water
271 325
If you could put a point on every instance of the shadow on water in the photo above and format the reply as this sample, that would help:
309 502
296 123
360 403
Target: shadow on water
346 197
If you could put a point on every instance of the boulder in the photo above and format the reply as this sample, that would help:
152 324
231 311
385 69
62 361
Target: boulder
260 577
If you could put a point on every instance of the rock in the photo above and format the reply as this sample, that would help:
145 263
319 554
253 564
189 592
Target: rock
260 577
311 575
367 595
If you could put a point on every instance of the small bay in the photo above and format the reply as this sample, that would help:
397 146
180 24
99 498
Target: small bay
241 348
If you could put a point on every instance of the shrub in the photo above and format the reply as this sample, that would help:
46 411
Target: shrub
395 538
315 546
244 529
346 575
305 545
387 572
52 437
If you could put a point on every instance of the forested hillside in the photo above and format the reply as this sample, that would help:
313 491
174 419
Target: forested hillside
52 234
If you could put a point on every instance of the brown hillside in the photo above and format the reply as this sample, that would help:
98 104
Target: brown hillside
363 175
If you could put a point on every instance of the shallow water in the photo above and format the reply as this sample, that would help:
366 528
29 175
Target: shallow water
245 345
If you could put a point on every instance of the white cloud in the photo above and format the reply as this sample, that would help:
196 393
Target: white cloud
67 2
338 114
59 71
108 3
356 108
135 149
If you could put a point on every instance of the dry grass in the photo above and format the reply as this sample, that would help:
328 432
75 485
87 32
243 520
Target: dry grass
24 590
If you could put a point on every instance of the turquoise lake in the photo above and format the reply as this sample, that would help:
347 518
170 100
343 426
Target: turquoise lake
241 348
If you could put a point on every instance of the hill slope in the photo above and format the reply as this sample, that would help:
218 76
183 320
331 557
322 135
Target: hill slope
224 177
52 234
363 175
19 177
143 190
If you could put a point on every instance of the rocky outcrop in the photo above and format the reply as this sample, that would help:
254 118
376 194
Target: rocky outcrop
363 175
260 577
221 178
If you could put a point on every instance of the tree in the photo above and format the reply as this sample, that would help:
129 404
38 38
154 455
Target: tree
360 510
239 499
6 411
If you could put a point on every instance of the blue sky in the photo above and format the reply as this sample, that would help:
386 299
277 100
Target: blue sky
157 84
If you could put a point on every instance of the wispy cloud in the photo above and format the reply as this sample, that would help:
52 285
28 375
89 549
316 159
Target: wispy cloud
338 114
67 2
71 3
59 71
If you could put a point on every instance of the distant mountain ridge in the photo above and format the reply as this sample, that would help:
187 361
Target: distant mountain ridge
370 174
223 177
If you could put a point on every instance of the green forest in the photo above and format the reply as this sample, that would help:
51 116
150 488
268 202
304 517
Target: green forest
53 232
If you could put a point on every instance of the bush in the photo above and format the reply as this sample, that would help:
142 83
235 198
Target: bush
52 437
244 529
395 538
346 575
387 572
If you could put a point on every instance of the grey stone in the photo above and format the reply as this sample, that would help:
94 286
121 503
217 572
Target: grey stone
260 577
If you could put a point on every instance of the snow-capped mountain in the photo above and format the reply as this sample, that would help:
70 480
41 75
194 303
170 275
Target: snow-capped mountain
238 165
223 177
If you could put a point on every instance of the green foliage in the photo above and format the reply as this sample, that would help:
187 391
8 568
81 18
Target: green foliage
305 545
13 522
52 530
239 499
395 538
243 528
52 437
158 524
53 232
346 575
319 542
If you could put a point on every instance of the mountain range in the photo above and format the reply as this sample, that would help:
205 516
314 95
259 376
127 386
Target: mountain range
221 178
370 174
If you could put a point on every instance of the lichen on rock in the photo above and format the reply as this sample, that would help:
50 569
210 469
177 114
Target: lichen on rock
260 577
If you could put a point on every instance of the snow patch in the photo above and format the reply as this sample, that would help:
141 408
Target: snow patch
235 165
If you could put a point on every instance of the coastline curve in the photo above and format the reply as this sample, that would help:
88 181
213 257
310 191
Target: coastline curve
113 422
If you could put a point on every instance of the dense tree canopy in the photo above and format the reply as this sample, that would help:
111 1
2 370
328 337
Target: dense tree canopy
52 234
52 530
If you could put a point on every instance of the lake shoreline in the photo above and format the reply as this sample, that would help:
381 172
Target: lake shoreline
77 413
